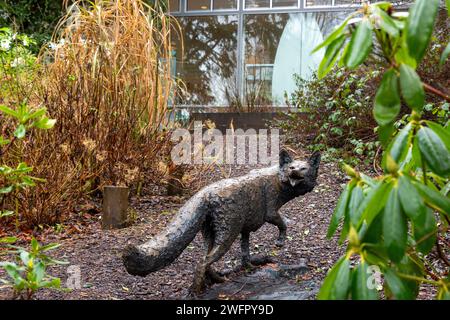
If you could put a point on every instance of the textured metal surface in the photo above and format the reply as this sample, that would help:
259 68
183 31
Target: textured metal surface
224 210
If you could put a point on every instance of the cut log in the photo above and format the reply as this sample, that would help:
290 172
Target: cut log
115 207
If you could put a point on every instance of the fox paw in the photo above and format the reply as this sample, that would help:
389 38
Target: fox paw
214 277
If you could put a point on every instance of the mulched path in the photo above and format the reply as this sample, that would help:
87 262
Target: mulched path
98 253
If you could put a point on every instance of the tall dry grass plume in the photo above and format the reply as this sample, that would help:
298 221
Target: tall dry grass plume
107 81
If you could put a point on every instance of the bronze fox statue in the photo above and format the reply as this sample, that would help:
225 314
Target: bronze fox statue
222 211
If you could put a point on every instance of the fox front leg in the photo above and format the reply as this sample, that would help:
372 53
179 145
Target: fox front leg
278 221
245 250
247 260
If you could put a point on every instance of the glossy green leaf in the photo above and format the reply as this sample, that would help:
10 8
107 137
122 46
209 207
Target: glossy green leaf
444 293
441 132
387 99
433 198
333 36
361 283
386 23
374 203
434 151
385 133
412 88
9 111
398 148
339 211
45 123
356 200
336 285
6 213
375 230
8 240
20 131
402 57
36 114
420 26
395 227
50 246
360 45
34 244
425 228
410 199
415 152
398 286
331 56
6 189
411 265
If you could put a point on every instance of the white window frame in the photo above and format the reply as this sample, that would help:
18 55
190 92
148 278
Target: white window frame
271 6
211 8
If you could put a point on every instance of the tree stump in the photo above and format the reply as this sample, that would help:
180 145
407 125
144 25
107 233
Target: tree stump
115 206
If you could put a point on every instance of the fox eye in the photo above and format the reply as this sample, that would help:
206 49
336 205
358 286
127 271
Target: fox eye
303 169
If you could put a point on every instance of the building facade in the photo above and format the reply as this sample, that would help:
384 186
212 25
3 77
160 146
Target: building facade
249 52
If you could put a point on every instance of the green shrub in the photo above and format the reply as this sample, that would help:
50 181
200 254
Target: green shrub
18 67
29 273
33 17
393 221
338 116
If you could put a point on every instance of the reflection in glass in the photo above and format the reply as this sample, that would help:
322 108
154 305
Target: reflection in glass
174 5
224 4
284 3
310 3
347 2
277 46
198 5
257 4
208 67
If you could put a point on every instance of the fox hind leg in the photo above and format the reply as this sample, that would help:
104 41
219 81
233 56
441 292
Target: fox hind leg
219 247
211 275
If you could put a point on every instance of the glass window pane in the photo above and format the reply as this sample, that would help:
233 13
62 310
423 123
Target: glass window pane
198 5
284 3
225 4
174 5
347 2
252 4
311 3
207 65
278 47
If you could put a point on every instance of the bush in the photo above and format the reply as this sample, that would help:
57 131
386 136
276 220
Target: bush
108 83
393 222
36 18
29 273
338 113
18 67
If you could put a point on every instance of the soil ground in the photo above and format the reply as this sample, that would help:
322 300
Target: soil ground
97 253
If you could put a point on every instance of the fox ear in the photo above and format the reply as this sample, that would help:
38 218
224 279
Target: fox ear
314 160
285 157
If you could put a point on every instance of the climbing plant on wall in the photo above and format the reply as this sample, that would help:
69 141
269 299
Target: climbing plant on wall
393 221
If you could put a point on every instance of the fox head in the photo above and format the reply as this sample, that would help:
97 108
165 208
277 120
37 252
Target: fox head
297 174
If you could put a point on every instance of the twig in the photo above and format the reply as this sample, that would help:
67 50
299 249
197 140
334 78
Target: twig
436 92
